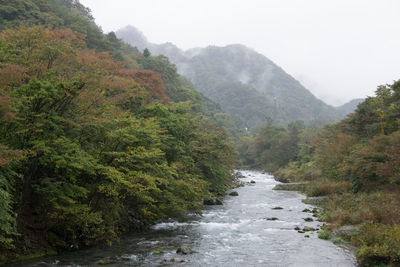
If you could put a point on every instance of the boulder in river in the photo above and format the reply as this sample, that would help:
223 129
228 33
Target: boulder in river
272 219
252 182
239 175
277 208
172 261
308 219
184 250
218 202
213 201
158 251
234 193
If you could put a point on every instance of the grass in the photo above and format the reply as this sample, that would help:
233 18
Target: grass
337 240
352 209
324 234
377 211
14 257
158 251
378 244
325 187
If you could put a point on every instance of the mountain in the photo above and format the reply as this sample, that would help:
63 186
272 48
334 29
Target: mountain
242 81
350 106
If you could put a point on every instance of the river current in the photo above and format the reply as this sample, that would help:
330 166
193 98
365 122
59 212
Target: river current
237 233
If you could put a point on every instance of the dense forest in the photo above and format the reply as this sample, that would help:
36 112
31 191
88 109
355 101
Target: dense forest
96 139
355 164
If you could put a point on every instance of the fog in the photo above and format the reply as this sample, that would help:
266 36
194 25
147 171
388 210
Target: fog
338 49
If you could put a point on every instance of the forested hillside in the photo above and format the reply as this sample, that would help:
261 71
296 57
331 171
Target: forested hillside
355 164
243 82
96 139
350 106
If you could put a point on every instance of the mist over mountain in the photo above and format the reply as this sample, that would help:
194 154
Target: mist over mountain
350 106
243 82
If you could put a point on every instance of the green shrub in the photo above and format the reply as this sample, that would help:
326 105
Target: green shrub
378 244
351 209
337 240
324 234
324 187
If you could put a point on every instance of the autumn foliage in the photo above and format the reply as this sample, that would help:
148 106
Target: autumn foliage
354 163
90 149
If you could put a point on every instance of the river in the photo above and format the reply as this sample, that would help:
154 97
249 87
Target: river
234 234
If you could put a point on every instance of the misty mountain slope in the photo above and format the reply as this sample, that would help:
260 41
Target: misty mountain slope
243 82
350 106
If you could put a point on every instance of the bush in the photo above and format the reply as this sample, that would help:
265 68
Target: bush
350 208
324 187
379 244
337 240
324 234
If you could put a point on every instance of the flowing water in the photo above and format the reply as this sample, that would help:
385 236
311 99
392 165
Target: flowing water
235 234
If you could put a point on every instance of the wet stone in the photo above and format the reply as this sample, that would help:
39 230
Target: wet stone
184 250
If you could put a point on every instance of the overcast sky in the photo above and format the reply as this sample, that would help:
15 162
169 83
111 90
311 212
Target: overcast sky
338 49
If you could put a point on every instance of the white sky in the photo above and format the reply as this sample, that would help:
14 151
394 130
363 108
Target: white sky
338 49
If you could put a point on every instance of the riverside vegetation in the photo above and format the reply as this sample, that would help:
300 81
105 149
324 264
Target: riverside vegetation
96 139
354 164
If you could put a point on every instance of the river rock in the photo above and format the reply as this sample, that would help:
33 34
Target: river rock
344 231
184 250
272 219
239 175
213 201
290 187
252 182
234 193
172 261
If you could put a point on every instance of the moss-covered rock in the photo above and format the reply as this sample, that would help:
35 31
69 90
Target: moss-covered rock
158 251
184 250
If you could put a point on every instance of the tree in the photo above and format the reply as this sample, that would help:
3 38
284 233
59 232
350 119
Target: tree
146 52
